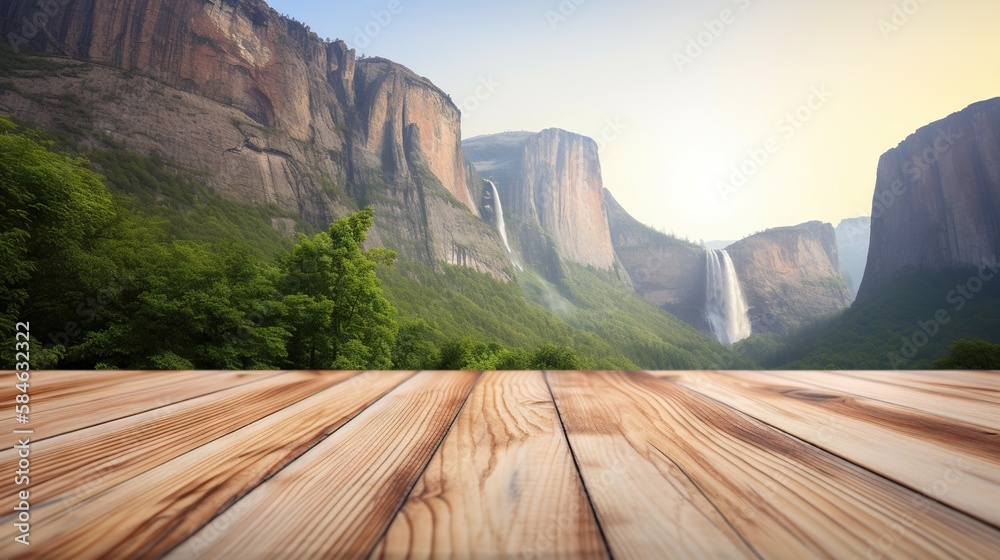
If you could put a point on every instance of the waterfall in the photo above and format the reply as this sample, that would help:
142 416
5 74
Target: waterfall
725 305
498 212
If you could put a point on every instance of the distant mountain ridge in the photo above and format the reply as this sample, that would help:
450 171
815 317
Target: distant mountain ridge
853 240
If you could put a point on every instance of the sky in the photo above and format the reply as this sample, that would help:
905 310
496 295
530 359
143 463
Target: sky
715 119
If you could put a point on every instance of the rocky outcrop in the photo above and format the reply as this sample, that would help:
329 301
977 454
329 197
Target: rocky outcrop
853 237
790 276
550 186
267 111
666 271
937 198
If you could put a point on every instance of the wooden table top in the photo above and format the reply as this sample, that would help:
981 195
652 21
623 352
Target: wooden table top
294 465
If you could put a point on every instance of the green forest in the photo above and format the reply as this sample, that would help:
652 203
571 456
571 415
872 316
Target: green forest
121 260
918 322
125 261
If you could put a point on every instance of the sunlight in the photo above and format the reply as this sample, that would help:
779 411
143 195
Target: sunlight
693 172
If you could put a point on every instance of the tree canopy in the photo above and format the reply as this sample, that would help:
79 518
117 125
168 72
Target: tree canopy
338 314
971 354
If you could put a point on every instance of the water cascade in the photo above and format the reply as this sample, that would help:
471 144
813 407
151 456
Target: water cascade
725 305
501 227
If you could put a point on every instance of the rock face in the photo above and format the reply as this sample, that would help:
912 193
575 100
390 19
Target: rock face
790 276
937 198
666 271
269 112
552 194
853 237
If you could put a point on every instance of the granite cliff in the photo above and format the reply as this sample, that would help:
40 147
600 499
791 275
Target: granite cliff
666 271
266 110
937 199
552 195
790 276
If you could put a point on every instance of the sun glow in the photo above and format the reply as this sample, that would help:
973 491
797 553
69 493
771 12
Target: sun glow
693 174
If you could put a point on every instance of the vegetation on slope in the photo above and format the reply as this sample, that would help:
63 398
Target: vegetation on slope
144 268
908 325
470 314
644 333
971 354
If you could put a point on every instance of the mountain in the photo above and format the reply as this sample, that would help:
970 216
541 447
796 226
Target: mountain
790 276
551 193
666 271
853 236
908 325
226 118
937 199
267 112
718 245
933 259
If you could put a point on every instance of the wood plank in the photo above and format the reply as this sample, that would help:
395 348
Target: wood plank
502 484
155 511
50 384
949 461
647 506
340 497
70 412
74 466
787 499
966 409
981 385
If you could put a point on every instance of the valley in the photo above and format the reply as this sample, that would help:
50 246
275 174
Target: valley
503 245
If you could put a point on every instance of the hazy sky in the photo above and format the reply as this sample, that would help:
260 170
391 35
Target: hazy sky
854 76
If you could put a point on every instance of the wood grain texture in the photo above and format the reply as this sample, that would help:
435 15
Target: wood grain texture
968 408
949 461
647 506
437 464
74 466
787 499
503 483
977 385
154 512
66 412
50 384
340 497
